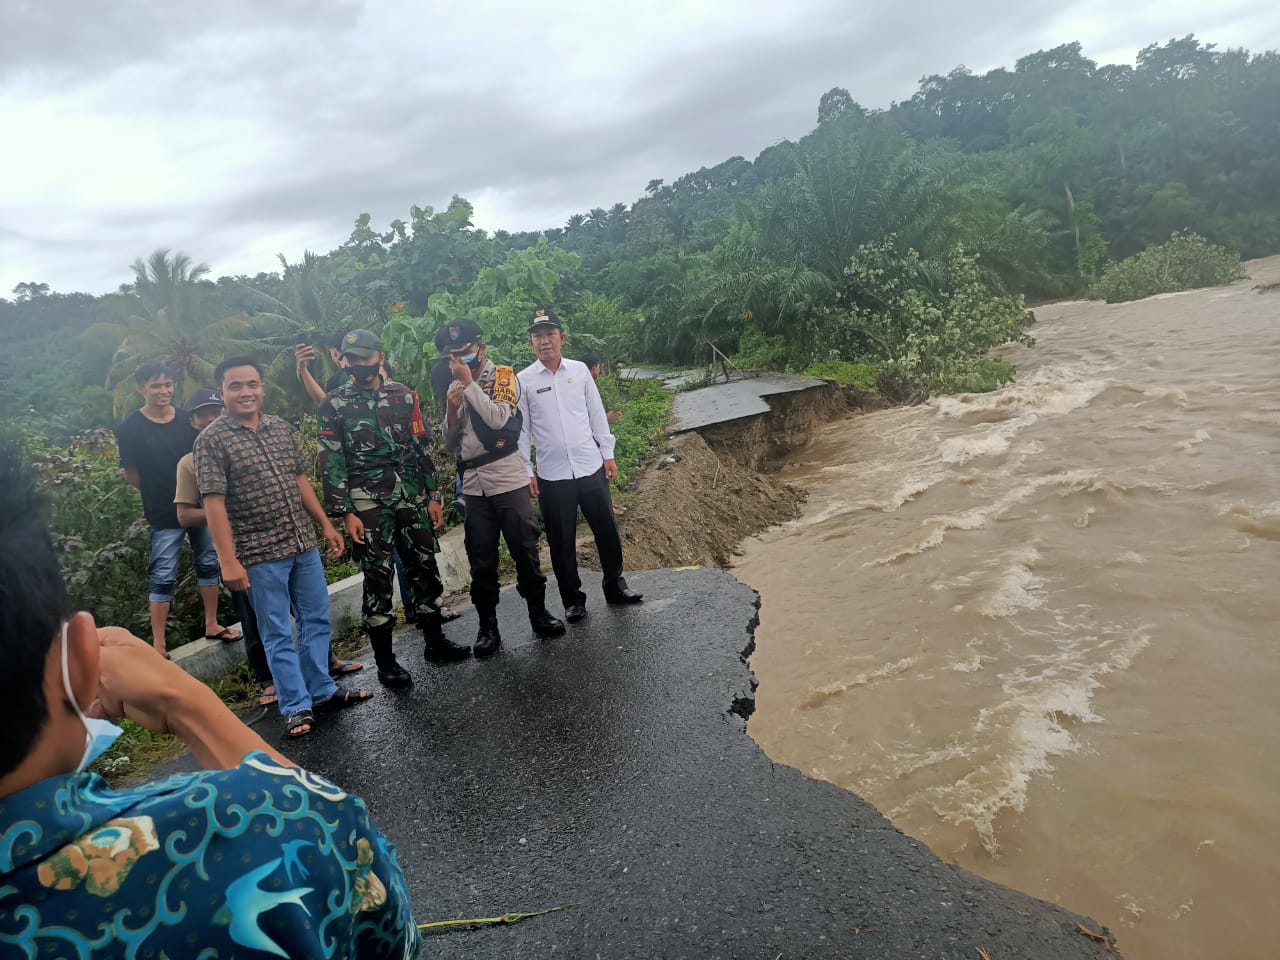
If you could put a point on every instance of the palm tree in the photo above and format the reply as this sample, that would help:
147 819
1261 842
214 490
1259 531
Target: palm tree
598 218
174 325
618 216
575 223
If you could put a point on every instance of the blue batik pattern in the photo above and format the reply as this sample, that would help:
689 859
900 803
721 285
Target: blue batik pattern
257 861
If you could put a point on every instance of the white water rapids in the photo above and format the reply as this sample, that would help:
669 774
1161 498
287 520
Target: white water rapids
1040 628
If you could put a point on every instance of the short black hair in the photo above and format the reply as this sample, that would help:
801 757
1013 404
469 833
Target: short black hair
149 371
231 363
33 605
591 360
334 340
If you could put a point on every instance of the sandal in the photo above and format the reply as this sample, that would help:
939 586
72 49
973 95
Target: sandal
299 724
268 696
448 616
226 635
342 667
344 698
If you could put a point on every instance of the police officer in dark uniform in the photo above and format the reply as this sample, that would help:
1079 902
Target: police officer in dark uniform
482 427
379 478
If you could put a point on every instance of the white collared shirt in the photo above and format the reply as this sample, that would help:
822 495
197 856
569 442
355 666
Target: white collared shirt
565 417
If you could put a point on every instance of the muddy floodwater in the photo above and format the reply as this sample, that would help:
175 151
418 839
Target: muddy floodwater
1040 628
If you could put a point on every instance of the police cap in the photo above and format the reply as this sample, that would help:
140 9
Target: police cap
458 333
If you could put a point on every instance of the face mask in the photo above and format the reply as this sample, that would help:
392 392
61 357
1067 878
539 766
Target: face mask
363 372
472 360
98 734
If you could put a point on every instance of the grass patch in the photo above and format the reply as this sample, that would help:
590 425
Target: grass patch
861 376
646 410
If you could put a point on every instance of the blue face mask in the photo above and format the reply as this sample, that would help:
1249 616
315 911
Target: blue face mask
98 734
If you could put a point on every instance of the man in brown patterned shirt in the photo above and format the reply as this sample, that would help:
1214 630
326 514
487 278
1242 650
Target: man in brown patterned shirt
259 504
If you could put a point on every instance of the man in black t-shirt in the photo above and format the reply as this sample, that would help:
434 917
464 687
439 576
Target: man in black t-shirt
151 442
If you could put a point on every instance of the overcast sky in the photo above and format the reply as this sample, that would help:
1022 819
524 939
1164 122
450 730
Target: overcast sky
238 129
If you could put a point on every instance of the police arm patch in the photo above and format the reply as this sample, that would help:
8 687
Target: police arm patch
504 385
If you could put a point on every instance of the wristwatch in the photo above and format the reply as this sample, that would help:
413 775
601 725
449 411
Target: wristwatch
437 498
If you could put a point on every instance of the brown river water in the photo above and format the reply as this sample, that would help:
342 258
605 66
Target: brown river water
1040 628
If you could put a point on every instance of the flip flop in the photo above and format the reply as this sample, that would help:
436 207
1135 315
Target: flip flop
226 635
296 721
344 698
344 667
448 616
267 699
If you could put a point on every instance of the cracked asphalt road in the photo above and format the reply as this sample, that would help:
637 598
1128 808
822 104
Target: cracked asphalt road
610 770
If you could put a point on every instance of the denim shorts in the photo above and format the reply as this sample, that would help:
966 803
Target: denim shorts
166 548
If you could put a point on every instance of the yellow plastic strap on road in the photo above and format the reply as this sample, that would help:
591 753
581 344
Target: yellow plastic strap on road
507 918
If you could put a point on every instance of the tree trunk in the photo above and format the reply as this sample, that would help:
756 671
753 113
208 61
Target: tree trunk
1071 203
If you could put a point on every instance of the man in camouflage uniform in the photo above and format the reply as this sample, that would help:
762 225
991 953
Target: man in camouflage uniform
380 479
482 427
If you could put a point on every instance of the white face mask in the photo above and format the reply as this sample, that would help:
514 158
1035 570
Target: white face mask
98 734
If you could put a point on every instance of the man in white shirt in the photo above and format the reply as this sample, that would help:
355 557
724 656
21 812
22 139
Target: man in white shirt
566 420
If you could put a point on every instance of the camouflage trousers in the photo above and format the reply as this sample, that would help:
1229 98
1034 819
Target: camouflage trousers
403 527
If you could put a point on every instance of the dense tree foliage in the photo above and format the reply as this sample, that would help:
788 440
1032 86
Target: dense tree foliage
899 239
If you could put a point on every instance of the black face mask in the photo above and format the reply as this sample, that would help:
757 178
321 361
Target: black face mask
363 372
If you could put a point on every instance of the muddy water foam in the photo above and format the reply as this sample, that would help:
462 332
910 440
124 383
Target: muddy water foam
1040 628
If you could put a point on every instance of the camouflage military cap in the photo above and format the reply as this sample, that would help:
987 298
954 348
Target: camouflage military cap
360 344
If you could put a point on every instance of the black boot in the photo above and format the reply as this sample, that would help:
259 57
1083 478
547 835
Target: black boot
488 639
390 673
543 623
438 648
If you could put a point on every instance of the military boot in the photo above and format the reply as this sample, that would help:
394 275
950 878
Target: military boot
390 673
488 639
438 648
543 623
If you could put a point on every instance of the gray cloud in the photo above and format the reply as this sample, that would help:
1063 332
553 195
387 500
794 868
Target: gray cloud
64 40
279 123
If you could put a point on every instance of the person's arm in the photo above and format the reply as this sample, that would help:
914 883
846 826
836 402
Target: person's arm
234 575
333 461
600 431
128 461
494 413
311 503
303 354
135 681
211 475
453 417
189 516
186 493
524 443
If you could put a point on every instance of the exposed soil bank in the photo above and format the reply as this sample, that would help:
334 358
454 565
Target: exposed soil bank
711 489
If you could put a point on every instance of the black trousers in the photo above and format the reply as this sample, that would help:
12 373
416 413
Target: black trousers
560 500
511 516
253 650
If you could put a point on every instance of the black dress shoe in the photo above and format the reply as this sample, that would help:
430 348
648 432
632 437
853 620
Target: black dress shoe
488 639
394 675
621 596
575 613
544 624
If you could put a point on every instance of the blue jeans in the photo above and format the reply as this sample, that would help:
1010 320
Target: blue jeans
166 547
301 671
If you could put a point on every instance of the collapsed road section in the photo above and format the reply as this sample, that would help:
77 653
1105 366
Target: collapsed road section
610 770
